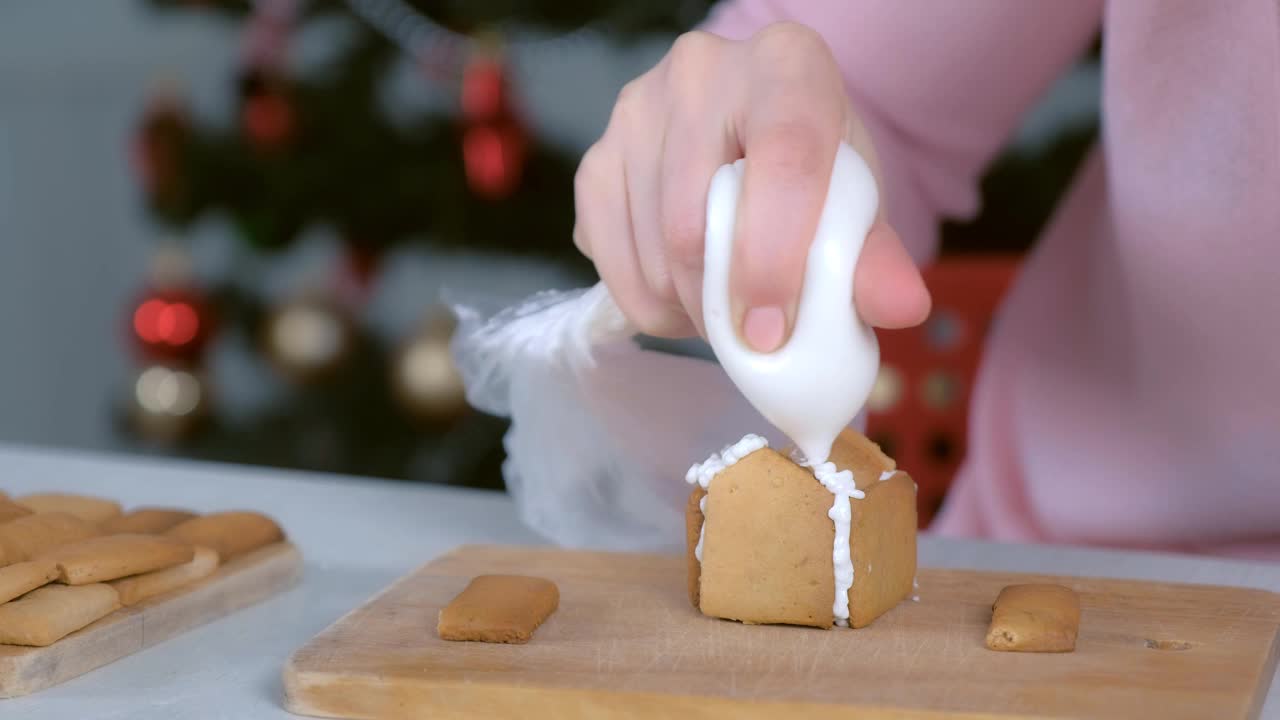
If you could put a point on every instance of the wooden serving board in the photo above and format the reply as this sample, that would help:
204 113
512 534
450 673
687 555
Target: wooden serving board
626 643
242 582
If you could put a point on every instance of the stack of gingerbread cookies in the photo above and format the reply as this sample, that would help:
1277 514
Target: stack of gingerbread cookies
68 560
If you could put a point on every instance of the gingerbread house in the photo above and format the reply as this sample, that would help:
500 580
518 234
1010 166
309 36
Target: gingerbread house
771 540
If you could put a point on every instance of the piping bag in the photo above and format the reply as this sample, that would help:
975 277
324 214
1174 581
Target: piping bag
603 431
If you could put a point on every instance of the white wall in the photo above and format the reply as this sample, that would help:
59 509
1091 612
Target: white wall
72 238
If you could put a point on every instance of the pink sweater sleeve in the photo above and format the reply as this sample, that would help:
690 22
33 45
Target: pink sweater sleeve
939 85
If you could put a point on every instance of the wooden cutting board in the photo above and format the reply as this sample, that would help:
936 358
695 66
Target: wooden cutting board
626 643
242 582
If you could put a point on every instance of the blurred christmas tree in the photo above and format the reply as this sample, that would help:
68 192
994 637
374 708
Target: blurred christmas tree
321 148
324 148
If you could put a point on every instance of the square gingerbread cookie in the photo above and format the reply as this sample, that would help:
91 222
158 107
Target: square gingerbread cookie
499 609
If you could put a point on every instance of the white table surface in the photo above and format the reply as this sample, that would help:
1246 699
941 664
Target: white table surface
359 535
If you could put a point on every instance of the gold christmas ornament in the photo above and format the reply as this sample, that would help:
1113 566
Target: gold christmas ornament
887 390
940 390
308 338
427 383
168 403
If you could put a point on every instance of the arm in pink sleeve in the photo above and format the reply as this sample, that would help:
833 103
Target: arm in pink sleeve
939 85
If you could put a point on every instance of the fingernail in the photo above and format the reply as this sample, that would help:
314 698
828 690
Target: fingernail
764 327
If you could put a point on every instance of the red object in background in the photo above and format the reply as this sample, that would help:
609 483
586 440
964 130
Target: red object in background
484 90
493 156
494 142
919 408
355 275
362 262
157 148
171 325
267 114
268 121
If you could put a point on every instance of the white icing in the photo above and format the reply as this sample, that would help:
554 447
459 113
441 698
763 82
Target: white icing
840 481
702 473
814 386
702 531
915 598
841 485
887 474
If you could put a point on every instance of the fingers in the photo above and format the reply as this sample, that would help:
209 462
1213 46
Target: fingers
789 128
697 142
688 166
641 192
670 137
888 290
604 225
642 165
580 240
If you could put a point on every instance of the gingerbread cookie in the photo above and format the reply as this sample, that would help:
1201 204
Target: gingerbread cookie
146 520
766 553
229 533
133 590
21 578
115 556
882 540
499 609
31 535
10 510
48 614
91 509
1034 618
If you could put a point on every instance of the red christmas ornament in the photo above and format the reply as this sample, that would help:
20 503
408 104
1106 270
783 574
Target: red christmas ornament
268 121
171 325
267 114
494 143
484 90
494 154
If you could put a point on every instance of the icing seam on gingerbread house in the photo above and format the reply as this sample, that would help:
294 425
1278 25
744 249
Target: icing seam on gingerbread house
702 532
704 472
841 485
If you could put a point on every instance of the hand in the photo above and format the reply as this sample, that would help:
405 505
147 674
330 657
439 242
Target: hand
641 191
